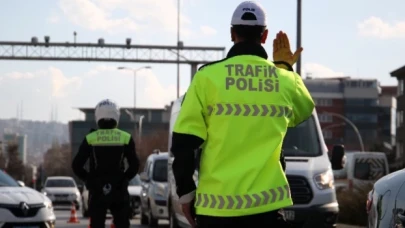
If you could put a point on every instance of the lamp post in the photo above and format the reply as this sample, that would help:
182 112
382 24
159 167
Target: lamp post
134 71
333 126
299 11
356 130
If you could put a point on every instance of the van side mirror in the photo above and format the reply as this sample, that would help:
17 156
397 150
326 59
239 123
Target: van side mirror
144 177
20 183
338 158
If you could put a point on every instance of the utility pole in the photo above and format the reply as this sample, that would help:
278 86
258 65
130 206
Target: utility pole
299 10
178 48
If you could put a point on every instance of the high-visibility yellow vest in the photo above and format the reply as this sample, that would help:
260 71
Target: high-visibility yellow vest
108 137
241 107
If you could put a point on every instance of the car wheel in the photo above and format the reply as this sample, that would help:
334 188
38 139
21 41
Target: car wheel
153 222
85 211
144 218
172 218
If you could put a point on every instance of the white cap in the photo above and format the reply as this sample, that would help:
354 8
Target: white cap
249 7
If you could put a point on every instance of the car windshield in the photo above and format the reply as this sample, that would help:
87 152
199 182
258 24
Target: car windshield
7 181
60 183
160 170
136 181
302 140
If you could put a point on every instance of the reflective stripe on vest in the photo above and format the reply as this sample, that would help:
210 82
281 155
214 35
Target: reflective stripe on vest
242 201
108 137
228 109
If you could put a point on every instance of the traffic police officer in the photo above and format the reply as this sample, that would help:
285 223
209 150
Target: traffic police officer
107 179
238 110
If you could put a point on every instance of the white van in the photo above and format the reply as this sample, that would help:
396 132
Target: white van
361 168
309 173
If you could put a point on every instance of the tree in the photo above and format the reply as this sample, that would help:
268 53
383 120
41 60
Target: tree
15 166
3 159
57 160
156 140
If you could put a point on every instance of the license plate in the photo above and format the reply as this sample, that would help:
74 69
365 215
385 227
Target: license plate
61 198
289 215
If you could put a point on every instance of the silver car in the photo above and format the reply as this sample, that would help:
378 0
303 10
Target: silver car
386 202
154 192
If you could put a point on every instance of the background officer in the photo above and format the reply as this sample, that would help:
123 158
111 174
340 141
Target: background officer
107 178
238 110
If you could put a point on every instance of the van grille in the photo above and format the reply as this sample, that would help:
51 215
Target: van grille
301 191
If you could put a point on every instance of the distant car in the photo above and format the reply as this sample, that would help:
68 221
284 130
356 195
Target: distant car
386 202
22 206
134 190
154 192
62 190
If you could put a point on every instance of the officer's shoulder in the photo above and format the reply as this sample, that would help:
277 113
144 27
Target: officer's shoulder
210 64
123 132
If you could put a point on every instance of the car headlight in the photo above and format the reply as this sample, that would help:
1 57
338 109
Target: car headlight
48 204
324 180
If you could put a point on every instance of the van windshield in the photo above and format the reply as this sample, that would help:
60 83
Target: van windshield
160 170
303 140
369 169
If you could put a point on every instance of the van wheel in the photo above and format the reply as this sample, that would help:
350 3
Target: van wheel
172 219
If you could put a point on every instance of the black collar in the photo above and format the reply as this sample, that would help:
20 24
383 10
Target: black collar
247 48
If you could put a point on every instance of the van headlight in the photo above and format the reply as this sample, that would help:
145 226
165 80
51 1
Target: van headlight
324 180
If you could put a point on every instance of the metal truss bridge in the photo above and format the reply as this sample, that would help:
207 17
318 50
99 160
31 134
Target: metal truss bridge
101 52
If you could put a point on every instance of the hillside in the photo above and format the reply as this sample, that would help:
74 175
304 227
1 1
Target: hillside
40 134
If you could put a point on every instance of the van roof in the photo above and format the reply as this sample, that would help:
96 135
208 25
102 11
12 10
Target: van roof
60 178
160 155
366 153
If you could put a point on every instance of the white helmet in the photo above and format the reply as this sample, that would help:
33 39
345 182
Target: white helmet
107 109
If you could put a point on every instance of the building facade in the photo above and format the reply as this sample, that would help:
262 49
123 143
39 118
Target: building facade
147 121
400 127
20 140
341 99
387 114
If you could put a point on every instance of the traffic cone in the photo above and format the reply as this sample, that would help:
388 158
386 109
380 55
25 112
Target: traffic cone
89 226
73 215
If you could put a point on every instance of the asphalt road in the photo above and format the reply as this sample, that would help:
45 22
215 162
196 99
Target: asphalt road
63 215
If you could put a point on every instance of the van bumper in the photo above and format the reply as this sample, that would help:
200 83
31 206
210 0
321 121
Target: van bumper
325 215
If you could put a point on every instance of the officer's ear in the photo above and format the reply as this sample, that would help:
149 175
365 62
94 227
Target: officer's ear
264 36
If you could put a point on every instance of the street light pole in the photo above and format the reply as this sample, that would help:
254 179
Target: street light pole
333 126
134 72
178 49
356 130
299 11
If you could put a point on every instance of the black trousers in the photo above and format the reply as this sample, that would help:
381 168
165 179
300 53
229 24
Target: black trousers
119 207
272 219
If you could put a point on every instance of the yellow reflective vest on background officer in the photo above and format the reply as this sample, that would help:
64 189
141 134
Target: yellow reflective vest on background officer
241 108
